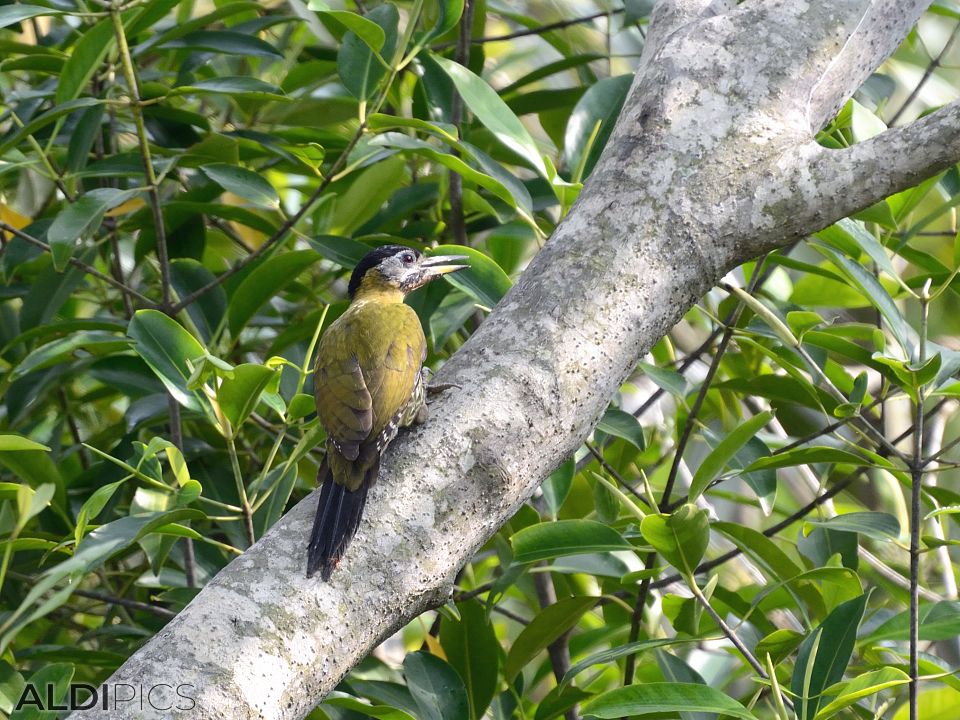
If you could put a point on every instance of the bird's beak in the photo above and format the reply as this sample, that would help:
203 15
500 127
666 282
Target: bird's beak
438 265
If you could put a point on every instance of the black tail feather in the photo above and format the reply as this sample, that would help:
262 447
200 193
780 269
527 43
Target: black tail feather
338 516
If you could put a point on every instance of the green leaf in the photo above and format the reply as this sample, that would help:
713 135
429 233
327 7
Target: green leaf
448 15
436 688
11 687
843 232
824 655
871 288
493 113
300 406
552 622
556 487
760 549
869 683
636 9
280 484
725 450
11 442
822 544
11 14
169 350
357 706
779 644
808 456
238 395
565 537
657 698
681 537
361 69
240 86
87 55
374 186
263 283
623 425
666 379
472 649
52 683
676 670
605 657
81 218
605 503
115 536
31 503
802 320
938 621
93 506
245 183
591 123
210 309
224 42
36 469
484 280
560 699
41 121
876 525
345 252
495 179
99 546
935 703
762 482
367 30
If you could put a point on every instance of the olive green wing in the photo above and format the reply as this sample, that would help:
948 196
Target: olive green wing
344 405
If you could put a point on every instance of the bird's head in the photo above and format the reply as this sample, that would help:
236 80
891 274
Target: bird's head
399 269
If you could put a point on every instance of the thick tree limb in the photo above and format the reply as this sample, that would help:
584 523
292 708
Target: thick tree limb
711 163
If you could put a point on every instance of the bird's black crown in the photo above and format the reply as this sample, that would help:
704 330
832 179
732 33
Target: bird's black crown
371 260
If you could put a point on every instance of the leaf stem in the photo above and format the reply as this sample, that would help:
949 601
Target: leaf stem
241 488
726 629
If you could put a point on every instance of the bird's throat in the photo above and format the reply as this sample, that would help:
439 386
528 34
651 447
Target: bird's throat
371 291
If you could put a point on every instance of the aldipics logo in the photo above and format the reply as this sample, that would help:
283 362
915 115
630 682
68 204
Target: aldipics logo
111 696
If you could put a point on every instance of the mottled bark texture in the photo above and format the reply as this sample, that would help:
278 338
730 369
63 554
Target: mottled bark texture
712 162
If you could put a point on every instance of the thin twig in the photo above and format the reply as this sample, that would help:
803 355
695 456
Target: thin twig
280 233
124 602
651 558
559 649
558 25
726 629
153 187
613 472
916 512
931 68
89 269
795 516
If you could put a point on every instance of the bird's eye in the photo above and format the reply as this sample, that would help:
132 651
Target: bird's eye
407 258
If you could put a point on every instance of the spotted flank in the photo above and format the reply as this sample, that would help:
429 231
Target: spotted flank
405 416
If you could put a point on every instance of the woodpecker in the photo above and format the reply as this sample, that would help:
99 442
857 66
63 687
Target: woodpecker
369 382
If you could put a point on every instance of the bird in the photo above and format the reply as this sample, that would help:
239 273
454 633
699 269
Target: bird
369 382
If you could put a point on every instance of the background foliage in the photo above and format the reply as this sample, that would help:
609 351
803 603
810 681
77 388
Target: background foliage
183 188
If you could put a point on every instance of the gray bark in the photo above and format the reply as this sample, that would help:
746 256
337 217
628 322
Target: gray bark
711 163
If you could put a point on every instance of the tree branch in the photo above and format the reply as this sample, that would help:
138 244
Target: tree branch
692 183
924 148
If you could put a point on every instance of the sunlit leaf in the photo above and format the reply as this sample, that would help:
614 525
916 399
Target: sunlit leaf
565 537
657 698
